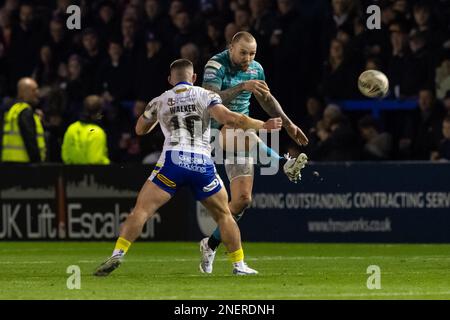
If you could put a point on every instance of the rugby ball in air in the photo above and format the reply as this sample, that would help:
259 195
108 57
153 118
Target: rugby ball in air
373 84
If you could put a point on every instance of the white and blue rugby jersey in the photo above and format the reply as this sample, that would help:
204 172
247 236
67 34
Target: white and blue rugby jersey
184 117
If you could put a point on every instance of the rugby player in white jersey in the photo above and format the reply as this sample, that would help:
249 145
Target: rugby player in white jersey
184 113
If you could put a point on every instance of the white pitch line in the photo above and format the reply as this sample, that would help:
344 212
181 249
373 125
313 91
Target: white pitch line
27 262
343 295
261 258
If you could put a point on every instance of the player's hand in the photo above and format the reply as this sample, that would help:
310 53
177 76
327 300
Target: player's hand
257 87
273 124
297 134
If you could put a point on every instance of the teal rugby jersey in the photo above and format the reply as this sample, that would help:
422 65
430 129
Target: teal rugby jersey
220 73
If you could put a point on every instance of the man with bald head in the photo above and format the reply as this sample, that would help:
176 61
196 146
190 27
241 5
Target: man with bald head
236 76
23 133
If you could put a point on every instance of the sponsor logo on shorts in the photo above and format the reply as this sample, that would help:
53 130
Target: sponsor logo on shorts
211 186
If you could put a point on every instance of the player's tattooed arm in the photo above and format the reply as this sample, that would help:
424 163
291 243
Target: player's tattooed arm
226 95
274 109
241 121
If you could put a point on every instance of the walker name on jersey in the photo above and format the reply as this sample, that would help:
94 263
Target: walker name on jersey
185 108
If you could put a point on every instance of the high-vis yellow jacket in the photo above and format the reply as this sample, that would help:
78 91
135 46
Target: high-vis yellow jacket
13 146
84 143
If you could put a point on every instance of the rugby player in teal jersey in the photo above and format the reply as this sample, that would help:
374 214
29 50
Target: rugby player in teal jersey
235 76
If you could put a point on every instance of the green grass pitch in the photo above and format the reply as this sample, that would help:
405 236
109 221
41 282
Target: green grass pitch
163 270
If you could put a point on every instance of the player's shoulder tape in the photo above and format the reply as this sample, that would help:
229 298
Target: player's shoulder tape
213 64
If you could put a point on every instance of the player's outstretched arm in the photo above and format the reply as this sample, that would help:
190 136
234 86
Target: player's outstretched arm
148 120
254 86
274 109
226 95
241 121
144 126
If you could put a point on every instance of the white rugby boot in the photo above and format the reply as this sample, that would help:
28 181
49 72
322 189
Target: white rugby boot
243 270
111 264
208 255
293 166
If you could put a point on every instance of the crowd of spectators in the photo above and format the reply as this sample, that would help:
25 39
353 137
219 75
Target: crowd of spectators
312 53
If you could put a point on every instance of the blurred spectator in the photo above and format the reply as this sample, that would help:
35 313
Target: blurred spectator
422 129
45 72
338 73
113 80
288 26
331 112
215 41
242 19
61 9
374 63
419 65
85 141
184 32
337 141
443 78
447 104
150 77
26 39
9 7
130 43
175 7
263 24
230 30
399 61
75 87
155 21
92 56
423 23
377 145
443 150
191 52
106 22
314 107
341 17
58 41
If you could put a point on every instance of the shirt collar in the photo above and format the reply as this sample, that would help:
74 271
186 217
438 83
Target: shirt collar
183 82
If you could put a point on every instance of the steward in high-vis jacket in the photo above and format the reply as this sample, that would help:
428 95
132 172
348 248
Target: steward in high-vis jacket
22 131
85 141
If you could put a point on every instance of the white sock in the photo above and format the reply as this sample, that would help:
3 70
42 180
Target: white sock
118 252
239 264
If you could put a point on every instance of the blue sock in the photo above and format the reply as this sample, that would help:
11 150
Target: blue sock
215 239
269 151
